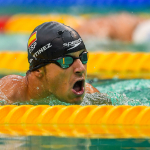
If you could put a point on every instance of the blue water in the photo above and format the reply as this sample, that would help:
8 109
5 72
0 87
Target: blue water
62 143
128 92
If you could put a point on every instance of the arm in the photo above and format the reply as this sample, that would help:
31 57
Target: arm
99 98
11 88
90 89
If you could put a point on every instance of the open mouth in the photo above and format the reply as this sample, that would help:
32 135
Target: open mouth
78 87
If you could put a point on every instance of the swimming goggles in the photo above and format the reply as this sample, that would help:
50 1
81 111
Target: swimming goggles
67 61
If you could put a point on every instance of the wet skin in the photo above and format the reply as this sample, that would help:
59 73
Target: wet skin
48 80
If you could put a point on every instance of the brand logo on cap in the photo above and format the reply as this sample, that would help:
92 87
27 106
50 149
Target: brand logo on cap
73 44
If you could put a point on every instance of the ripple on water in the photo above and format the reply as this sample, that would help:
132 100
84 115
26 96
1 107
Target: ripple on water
128 92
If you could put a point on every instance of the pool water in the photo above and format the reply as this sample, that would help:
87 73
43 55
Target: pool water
59 143
126 92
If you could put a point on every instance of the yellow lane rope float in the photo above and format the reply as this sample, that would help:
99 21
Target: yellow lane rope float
75 114
25 23
13 62
76 121
103 65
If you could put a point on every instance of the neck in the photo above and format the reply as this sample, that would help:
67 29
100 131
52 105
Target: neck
36 89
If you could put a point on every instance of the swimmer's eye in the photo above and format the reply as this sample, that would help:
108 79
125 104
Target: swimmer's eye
65 62
84 57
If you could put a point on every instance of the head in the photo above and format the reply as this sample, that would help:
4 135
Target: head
59 54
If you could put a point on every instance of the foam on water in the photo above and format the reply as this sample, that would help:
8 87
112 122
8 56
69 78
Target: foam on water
128 92
89 99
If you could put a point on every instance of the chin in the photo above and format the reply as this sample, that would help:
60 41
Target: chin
77 100
73 99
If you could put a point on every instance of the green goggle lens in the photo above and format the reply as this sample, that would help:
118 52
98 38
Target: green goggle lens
84 58
67 61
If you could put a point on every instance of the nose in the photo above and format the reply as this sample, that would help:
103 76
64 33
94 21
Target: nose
79 68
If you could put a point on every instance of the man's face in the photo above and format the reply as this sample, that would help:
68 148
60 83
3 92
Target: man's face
67 85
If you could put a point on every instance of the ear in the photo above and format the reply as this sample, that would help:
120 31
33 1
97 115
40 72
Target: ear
39 73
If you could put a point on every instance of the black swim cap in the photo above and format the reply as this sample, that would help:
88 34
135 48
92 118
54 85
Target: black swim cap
51 40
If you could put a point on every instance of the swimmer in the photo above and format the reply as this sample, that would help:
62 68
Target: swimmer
58 66
119 26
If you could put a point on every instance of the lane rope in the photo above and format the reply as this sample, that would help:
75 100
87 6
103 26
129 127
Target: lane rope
103 65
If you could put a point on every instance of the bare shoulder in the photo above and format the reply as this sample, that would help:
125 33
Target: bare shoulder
8 80
11 77
11 87
90 89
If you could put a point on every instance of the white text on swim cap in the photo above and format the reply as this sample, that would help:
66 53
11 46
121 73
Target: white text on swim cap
30 61
73 43
41 50
32 47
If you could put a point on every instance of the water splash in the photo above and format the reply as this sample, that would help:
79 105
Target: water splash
128 92
89 99
50 100
96 99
